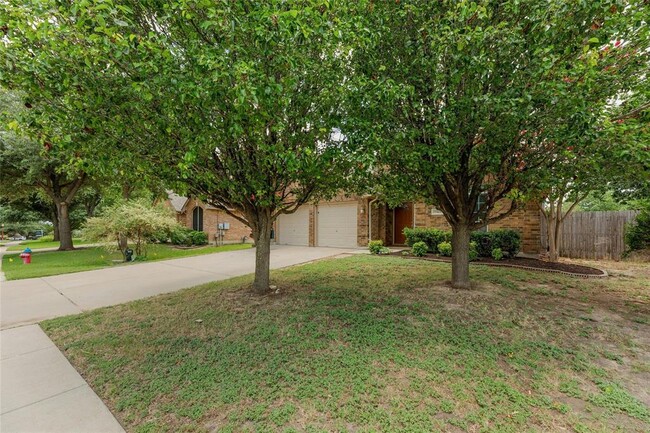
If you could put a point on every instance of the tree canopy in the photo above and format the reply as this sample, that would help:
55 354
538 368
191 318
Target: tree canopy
235 102
465 100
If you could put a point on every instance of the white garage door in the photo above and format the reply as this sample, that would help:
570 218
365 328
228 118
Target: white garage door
337 225
293 229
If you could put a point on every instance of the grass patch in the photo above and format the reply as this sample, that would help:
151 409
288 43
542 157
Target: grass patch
358 344
40 244
47 263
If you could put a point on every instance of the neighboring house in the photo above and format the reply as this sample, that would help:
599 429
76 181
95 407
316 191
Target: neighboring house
220 227
352 222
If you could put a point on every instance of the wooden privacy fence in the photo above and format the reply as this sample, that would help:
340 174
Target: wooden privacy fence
592 235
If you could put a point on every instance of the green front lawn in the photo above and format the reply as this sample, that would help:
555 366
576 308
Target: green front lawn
46 263
369 344
38 244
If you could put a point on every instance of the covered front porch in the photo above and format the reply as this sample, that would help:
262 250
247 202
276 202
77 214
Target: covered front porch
387 224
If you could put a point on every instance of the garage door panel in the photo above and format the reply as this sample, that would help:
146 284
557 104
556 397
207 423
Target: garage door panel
293 229
337 225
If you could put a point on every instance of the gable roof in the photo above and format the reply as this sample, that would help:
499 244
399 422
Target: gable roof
178 202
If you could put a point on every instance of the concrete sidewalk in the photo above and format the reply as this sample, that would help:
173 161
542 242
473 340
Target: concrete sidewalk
41 391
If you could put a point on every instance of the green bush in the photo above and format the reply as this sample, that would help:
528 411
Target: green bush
198 238
507 240
431 237
473 252
419 249
181 236
444 248
484 242
160 237
497 254
187 237
375 247
637 234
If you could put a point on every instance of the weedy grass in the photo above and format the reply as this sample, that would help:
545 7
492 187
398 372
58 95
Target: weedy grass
365 344
46 263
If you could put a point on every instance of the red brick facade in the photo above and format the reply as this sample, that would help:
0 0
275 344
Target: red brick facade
525 220
212 217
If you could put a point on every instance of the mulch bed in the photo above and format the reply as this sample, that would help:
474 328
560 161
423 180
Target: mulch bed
523 262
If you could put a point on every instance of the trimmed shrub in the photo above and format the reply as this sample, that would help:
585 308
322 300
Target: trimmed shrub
198 238
375 247
444 248
507 240
431 237
484 242
473 252
497 254
187 237
181 236
419 249
637 234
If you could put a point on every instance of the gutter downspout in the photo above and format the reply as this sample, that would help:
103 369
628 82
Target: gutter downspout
370 218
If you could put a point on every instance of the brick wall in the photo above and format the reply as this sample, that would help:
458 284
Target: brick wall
525 220
424 218
211 219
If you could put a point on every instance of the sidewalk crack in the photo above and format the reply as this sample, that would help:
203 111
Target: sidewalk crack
62 294
46 398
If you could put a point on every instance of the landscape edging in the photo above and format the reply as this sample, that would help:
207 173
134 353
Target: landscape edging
528 268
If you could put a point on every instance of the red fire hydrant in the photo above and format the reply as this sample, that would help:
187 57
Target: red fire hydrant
26 256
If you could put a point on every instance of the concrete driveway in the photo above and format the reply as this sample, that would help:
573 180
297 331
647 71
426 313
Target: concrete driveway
41 391
35 299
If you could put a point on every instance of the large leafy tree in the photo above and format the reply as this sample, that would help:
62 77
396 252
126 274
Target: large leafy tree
466 100
25 165
32 158
236 102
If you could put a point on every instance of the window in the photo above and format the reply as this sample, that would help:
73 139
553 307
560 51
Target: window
480 201
197 219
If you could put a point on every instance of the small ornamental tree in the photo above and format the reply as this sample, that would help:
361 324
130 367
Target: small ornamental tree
618 158
465 103
134 220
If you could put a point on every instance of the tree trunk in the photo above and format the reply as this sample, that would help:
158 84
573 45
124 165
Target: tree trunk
553 239
123 242
553 231
262 234
65 230
460 256
55 224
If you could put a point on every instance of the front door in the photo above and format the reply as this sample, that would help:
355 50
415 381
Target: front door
403 218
